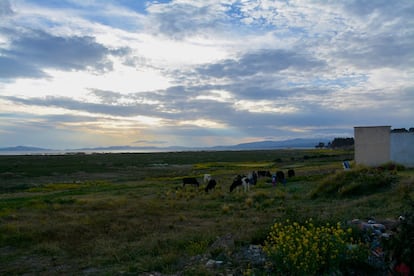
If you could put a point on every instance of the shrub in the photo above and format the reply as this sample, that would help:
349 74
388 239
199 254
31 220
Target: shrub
225 208
361 181
391 166
402 243
249 202
260 196
296 249
197 247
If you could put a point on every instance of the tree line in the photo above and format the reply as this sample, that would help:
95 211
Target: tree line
337 143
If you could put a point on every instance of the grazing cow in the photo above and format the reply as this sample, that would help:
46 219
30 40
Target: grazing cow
252 178
239 181
211 185
264 174
190 181
207 178
280 177
291 173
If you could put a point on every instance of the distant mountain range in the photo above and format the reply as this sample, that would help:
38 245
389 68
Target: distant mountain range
262 145
24 148
292 143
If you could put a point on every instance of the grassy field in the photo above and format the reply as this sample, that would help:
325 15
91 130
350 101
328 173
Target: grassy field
128 213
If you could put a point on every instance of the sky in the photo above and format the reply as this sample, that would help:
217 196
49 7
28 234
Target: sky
200 73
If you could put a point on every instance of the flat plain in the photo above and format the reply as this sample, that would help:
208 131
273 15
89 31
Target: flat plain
128 214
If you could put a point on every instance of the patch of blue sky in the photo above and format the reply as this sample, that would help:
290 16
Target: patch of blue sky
286 32
137 6
295 31
157 1
244 22
46 23
234 11
340 82
142 5
56 4
114 21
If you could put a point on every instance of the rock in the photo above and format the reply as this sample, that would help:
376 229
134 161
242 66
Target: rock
226 243
213 263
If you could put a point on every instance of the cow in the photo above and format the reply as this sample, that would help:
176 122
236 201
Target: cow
252 178
190 181
291 173
280 177
211 185
239 181
207 178
264 174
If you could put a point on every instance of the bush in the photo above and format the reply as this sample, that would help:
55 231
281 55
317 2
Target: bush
402 243
360 181
391 166
307 249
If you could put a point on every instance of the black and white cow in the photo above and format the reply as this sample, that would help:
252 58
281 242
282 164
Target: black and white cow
252 178
190 181
207 178
240 181
211 185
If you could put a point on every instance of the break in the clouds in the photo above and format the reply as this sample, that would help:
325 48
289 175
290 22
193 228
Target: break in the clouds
201 73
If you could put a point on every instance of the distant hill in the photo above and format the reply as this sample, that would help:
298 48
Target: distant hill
291 143
262 145
132 148
24 148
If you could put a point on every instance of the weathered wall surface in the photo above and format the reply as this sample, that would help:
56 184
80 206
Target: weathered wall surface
372 145
402 148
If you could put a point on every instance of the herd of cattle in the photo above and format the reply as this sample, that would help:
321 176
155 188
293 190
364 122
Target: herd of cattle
240 180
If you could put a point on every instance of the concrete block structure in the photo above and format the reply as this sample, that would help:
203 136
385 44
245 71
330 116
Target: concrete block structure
376 145
402 148
372 145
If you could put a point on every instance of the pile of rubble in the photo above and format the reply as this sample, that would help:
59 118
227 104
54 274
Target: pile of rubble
376 234
222 255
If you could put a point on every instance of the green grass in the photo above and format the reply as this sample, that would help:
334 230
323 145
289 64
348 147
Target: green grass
357 182
120 213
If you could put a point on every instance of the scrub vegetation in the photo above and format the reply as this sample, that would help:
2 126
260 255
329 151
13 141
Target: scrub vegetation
312 250
129 214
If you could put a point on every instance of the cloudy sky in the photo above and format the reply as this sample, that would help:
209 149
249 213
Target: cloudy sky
82 73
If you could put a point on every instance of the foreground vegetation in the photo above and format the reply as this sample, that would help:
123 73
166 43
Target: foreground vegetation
128 213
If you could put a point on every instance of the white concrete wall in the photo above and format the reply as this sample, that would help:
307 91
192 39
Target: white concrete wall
402 148
372 145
